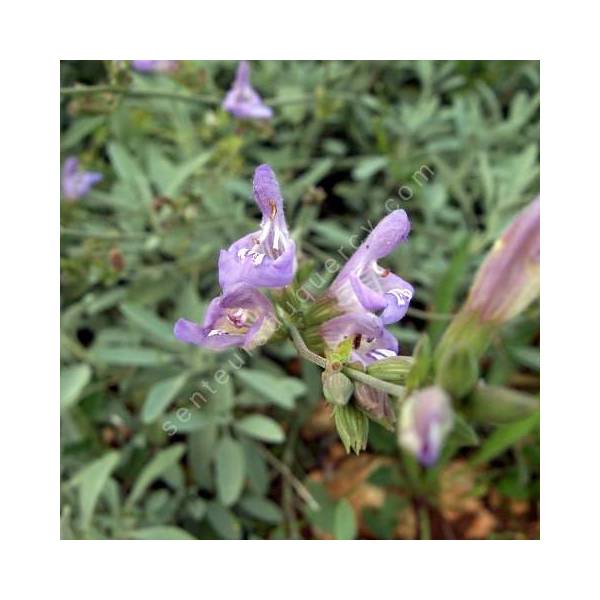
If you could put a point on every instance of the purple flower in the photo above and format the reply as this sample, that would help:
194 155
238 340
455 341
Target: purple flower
154 66
370 340
508 280
363 284
76 183
241 317
370 343
242 100
267 257
425 421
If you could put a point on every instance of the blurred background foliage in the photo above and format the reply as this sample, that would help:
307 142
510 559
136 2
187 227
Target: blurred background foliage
261 458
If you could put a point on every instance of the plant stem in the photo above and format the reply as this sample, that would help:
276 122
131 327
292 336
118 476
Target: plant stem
131 93
303 350
296 484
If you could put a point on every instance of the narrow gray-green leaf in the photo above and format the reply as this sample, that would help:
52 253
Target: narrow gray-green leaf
90 482
230 470
161 532
153 470
262 428
281 391
72 381
159 397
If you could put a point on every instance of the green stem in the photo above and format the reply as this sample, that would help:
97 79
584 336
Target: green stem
131 93
303 350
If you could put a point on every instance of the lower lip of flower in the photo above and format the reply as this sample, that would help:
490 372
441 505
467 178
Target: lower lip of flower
236 322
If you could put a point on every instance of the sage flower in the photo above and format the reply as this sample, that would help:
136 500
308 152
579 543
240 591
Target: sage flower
75 182
154 66
267 257
242 100
370 342
509 278
425 420
364 285
241 317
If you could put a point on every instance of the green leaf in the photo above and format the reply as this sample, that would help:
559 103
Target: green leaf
81 128
153 470
230 467
223 522
135 356
262 509
184 172
368 167
159 397
504 437
161 532
262 428
281 391
72 381
148 322
130 172
344 521
90 481
463 435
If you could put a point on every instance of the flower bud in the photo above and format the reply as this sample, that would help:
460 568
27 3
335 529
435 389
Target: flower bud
457 371
509 278
425 420
394 369
376 404
352 426
496 405
337 388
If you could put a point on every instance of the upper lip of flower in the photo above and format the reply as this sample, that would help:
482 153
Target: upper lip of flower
267 257
363 282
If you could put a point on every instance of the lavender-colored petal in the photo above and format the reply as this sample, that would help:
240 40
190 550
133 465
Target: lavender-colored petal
76 183
363 284
269 272
388 234
241 317
266 258
242 101
268 195
351 325
154 66
368 298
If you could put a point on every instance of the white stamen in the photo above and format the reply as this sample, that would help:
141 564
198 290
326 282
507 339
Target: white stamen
215 332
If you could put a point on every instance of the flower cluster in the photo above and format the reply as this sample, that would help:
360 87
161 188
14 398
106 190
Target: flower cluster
363 299
242 315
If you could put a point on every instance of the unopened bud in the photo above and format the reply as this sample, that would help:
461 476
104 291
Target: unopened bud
497 405
337 388
457 371
394 369
509 278
376 404
352 426
425 420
